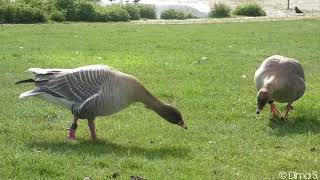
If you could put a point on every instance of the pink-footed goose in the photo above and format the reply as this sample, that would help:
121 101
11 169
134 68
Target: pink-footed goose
279 79
95 90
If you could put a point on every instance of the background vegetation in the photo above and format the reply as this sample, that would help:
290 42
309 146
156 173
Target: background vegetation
35 11
220 10
174 14
38 11
249 9
225 139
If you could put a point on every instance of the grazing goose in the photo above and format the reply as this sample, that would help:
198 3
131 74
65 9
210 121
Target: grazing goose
95 90
279 79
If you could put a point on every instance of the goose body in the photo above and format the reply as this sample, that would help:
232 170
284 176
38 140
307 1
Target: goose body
90 91
280 79
96 90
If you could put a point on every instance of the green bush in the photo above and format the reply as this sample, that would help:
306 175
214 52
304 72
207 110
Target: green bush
220 10
65 4
133 11
174 14
47 6
76 10
69 8
57 16
117 13
28 11
111 13
2 2
100 14
249 9
20 13
85 11
147 11
190 16
2 12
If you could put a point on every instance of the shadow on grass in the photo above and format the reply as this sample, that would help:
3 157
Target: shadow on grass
305 122
101 147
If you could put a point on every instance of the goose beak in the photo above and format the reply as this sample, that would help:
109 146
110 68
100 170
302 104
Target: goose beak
182 125
258 111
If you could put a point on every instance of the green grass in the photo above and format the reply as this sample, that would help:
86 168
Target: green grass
225 138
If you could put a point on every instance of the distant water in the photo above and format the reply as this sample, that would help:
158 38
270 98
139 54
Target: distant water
197 7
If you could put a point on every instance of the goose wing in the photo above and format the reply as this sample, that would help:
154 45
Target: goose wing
280 64
277 65
72 84
293 67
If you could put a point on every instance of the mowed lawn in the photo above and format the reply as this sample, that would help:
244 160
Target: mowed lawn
225 139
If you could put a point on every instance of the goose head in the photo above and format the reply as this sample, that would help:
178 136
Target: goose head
171 114
263 98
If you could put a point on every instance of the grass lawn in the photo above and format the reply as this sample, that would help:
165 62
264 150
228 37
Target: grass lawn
225 138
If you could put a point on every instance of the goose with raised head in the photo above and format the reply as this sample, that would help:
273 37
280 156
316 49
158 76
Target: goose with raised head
96 90
279 79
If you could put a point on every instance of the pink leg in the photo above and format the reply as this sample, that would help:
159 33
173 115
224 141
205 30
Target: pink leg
72 130
92 128
274 111
288 109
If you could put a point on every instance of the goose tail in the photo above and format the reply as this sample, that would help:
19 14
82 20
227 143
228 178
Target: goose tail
26 81
29 93
45 95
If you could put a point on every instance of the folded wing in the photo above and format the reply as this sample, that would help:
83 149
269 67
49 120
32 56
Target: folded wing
72 84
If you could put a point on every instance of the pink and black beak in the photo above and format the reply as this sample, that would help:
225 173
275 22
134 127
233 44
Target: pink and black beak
260 106
258 111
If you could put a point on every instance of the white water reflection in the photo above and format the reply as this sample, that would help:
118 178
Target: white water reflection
199 8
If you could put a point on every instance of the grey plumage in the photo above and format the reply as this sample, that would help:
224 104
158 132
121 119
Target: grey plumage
284 77
88 91
96 90
279 79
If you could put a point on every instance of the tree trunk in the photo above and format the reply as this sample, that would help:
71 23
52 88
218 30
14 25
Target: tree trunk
288 4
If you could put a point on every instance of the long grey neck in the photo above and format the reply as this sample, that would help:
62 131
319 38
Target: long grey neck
150 101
